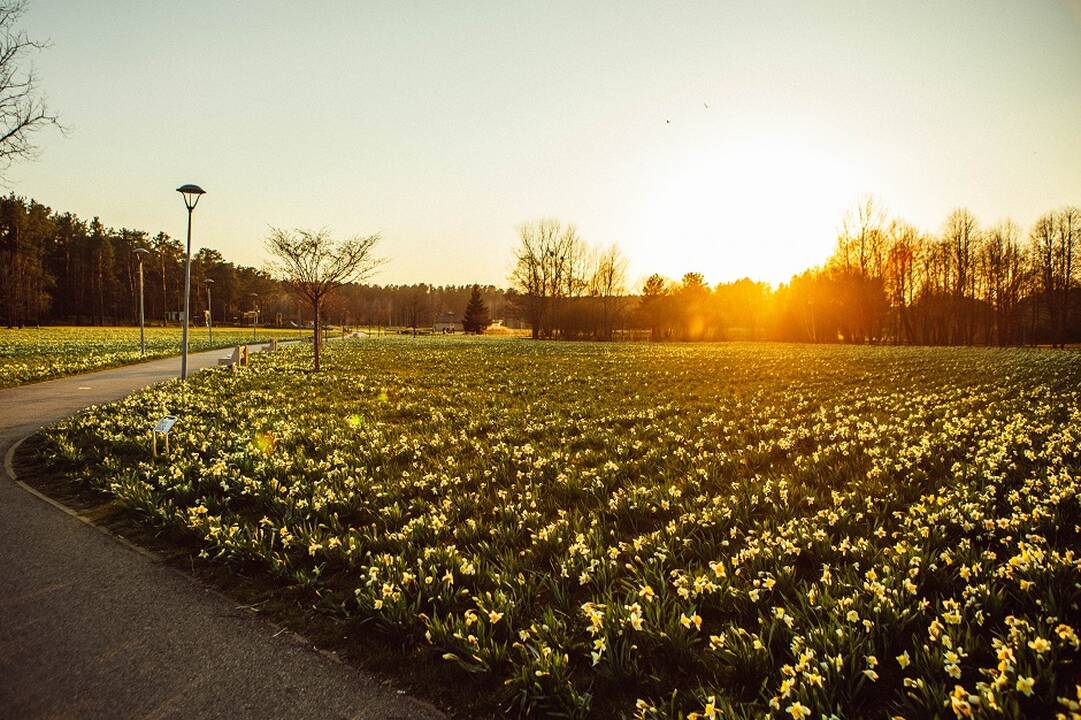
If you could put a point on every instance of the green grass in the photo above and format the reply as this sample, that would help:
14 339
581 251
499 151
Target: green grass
34 354
643 530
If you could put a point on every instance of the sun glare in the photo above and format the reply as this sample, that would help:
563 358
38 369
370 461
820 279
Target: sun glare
742 209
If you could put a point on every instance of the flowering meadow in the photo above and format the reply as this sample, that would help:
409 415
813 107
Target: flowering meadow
651 531
33 354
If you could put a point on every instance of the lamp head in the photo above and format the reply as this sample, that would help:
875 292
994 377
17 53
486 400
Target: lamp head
191 195
141 252
209 281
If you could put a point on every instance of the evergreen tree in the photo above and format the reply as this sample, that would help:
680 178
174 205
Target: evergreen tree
476 313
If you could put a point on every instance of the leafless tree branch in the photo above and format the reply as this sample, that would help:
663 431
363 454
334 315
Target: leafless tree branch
23 109
312 266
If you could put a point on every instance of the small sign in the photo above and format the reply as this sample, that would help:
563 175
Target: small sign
165 425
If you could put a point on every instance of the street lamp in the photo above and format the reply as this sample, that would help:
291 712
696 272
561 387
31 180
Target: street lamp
254 313
191 195
140 252
209 311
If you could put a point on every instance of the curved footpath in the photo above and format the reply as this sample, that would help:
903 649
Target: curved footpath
90 628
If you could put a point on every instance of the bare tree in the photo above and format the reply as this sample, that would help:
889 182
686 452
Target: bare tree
860 242
858 267
904 246
530 274
312 265
962 233
609 283
1003 271
1069 237
23 109
549 265
1053 243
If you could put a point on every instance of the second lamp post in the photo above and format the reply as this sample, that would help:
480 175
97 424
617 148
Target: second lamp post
209 311
254 313
140 252
191 195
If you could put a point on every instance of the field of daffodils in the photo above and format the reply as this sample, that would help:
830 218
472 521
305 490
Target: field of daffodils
33 354
651 531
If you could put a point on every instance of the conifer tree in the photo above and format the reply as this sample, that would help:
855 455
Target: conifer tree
476 313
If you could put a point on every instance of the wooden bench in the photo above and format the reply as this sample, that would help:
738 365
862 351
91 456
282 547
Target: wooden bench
238 358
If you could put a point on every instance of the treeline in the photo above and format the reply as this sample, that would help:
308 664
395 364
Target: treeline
415 306
58 268
566 288
889 282
886 282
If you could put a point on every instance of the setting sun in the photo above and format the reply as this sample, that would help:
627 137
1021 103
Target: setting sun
742 208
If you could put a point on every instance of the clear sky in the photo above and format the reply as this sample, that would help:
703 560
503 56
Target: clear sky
445 125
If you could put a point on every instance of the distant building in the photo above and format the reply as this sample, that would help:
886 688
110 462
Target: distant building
448 323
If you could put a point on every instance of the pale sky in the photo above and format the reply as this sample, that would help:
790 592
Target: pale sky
445 125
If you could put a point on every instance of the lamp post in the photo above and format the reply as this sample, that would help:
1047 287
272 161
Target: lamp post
209 311
140 252
191 195
254 313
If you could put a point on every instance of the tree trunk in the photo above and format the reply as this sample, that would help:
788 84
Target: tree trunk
318 338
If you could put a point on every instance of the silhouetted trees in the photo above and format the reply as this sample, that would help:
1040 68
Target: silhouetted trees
692 310
545 272
1054 239
654 310
565 288
420 304
886 282
59 268
607 287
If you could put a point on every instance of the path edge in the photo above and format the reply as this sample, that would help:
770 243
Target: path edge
153 557
9 469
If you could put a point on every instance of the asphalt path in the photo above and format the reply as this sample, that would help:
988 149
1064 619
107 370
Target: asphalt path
91 628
